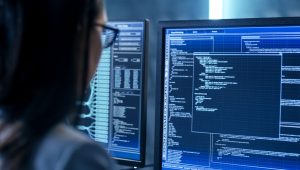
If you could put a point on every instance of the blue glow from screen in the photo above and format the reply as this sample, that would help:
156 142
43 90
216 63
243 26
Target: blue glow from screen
231 98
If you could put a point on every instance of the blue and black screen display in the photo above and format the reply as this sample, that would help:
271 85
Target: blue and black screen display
113 110
231 98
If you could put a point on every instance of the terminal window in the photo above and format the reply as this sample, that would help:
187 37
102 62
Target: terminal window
231 98
113 109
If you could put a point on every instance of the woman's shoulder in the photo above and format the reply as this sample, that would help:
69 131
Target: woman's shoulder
64 148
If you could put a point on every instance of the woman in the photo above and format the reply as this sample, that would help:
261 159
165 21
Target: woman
49 50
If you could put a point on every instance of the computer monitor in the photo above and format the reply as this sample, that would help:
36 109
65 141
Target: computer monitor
229 94
114 113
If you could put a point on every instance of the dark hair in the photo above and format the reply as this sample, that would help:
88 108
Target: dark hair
43 69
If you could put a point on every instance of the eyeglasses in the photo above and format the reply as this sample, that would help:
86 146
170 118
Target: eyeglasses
108 35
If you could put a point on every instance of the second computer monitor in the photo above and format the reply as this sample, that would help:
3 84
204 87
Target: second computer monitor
115 111
230 94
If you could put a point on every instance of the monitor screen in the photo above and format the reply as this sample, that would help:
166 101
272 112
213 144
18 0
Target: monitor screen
114 111
230 94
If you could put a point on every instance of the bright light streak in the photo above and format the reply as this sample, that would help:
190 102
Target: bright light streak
215 9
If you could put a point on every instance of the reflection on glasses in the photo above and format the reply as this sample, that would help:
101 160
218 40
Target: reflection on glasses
108 35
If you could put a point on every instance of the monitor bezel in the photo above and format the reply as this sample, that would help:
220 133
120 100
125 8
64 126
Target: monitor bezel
143 118
222 23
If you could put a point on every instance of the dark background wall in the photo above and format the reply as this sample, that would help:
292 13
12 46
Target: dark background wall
160 10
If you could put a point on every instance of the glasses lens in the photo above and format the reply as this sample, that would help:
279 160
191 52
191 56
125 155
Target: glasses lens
108 37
